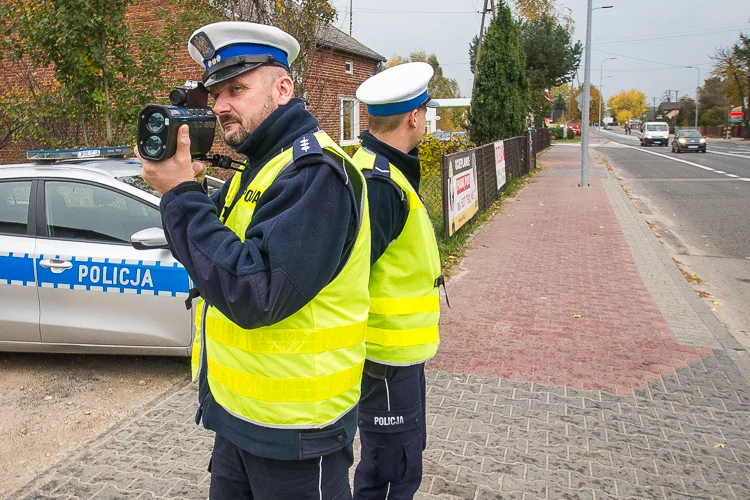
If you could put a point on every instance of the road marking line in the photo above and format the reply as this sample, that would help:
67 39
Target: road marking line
744 179
672 158
719 172
727 154
732 175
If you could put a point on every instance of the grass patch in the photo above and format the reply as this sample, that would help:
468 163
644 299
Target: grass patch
454 248
574 139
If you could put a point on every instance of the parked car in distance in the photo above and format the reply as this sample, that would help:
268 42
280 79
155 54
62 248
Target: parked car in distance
84 263
654 133
576 128
688 140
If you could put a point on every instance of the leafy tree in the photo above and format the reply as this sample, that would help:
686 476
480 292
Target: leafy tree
551 59
628 104
686 116
732 64
500 100
102 73
440 87
575 113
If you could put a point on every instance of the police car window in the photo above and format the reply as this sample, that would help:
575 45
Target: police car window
14 206
138 182
85 212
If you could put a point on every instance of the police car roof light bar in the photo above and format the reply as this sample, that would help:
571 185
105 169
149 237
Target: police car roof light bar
78 154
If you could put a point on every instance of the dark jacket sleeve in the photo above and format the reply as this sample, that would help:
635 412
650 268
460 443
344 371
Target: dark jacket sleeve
302 228
388 212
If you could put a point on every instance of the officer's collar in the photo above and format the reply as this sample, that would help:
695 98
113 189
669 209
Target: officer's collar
407 163
278 131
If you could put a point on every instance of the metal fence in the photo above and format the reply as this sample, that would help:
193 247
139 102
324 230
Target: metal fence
520 158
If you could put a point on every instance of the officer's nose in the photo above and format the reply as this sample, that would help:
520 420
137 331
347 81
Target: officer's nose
221 105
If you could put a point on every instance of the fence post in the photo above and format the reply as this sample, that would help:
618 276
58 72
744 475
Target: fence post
446 195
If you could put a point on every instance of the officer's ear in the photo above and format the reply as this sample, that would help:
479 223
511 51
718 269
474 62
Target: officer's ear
413 118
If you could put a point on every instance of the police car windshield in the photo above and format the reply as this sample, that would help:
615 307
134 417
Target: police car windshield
138 182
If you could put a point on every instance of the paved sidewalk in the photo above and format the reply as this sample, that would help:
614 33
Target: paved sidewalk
574 364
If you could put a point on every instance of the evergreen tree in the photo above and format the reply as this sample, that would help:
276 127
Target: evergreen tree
500 100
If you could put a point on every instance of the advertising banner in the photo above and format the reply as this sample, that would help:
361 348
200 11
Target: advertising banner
500 164
463 195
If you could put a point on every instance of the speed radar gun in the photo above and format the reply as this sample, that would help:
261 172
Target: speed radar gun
158 125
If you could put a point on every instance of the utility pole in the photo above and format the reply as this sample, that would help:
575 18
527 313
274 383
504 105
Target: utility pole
585 102
479 41
654 108
351 16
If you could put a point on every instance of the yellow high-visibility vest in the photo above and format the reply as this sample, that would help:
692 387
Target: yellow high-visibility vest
402 328
304 371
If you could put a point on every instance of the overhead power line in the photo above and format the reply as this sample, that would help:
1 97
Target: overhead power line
668 36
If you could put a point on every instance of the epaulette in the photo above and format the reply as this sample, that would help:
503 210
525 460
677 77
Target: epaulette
382 167
306 145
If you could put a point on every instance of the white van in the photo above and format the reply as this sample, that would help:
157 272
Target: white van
653 133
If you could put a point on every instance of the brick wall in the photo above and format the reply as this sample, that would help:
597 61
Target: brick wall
326 84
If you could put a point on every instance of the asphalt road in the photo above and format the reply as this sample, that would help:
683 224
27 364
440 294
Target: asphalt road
699 204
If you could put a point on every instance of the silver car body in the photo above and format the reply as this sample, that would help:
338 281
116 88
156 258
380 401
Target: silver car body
63 289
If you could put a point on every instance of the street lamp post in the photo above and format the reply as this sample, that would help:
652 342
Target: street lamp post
697 86
586 101
601 95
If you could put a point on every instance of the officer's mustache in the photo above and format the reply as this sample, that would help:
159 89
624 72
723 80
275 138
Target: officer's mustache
227 119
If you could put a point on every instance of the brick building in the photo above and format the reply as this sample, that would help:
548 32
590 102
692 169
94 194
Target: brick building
338 65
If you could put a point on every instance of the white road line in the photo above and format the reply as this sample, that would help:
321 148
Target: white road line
672 158
727 154
719 172
732 175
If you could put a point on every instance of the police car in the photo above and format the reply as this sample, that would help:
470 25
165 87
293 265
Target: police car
84 263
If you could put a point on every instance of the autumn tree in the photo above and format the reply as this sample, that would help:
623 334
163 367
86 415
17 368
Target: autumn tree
628 104
732 64
500 101
575 113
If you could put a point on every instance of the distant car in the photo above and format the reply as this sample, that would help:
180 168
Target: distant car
688 140
654 133
84 263
576 128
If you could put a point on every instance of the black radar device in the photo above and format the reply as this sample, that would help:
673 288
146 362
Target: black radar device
158 124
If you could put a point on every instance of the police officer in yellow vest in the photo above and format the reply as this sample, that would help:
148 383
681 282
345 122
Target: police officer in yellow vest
280 257
402 329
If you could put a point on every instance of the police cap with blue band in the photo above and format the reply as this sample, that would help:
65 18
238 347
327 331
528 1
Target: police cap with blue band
230 48
397 90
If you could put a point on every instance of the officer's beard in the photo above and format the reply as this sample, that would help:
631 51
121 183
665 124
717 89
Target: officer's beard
245 127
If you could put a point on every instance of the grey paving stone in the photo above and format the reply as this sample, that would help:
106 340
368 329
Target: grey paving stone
628 490
442 487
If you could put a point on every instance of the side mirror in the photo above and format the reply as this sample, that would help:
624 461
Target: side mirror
149 238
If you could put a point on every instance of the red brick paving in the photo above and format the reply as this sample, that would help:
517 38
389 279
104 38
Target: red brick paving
556 253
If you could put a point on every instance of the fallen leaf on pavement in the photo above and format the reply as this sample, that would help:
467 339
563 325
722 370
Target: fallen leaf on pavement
716 302
719 445
578 315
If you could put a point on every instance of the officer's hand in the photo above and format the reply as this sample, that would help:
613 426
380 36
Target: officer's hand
164 175
199 170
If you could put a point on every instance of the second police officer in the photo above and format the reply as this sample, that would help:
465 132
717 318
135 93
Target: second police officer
402 329
280 256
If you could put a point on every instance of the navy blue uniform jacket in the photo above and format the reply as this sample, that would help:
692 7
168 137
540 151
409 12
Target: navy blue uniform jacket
302 231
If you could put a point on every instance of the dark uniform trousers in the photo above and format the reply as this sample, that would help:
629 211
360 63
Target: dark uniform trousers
392 431
239 475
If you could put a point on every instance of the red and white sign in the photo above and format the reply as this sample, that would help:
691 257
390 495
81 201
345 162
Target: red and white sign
500 164
463 195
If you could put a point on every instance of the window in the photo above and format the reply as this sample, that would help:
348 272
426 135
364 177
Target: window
85 212
14 206
349 67
349 121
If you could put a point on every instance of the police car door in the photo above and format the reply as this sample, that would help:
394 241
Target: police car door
19 302
94 287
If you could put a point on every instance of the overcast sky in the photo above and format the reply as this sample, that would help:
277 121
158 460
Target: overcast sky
646 36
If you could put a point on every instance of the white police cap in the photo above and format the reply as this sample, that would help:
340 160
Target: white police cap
397 90
230 48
